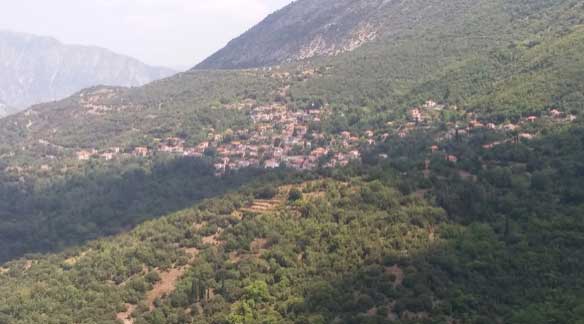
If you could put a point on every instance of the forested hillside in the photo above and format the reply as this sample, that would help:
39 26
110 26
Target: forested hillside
431 175
364 244
524 62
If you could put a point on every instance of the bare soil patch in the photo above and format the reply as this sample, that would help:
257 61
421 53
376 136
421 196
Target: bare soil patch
126 316
398 273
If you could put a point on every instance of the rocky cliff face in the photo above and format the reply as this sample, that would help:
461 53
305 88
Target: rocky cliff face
37 69
302 30
307 29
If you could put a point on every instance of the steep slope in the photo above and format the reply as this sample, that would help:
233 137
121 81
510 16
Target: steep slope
485 62
460 51
493 247
315 28
464 210
302 30
36 69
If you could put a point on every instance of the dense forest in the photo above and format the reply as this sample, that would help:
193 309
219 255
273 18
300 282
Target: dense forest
101 200
494 238
433 225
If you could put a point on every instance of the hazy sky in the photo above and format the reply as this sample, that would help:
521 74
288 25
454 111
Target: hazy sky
174 33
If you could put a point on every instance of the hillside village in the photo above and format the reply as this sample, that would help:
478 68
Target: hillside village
280 137
284 137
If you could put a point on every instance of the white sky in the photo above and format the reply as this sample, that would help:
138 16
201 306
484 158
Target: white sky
173 33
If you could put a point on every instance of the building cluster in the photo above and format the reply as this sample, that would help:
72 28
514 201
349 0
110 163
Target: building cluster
514 131
284 137
279 137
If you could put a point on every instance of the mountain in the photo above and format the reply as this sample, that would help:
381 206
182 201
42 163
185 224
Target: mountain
36 69
527 64
309 29
302 30
432 174
4 109
487 57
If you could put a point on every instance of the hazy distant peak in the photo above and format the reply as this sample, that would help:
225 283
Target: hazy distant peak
36 69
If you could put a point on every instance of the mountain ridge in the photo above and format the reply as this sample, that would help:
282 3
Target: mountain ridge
36 69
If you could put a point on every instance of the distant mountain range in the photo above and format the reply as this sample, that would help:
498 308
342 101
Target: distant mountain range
36 69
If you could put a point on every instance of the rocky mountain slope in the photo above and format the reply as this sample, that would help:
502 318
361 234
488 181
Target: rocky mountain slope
309 29
36 69
302 30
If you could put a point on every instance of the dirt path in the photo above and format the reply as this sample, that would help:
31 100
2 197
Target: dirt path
166 285
168 280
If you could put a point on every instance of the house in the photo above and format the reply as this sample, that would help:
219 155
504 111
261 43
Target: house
452 158
430 104
476 124
526 136
202 146
108 156
193 152
555 113
531 119
141 151
416 115
369 133
342 160
278 152
243 164
434 148
85 155
174 141
295 162
319 152
219 167
354 155
271 164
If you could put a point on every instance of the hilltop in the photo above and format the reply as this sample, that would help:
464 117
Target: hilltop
38 69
